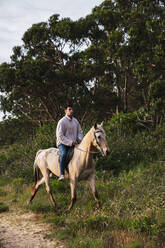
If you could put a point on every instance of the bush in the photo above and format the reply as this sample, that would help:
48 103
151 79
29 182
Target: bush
127 152
46 136
125 123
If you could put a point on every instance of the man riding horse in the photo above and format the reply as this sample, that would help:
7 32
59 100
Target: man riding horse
68 133
81 167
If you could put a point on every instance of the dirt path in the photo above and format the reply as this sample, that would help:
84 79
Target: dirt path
22 230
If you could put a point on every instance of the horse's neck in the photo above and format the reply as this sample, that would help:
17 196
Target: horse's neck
86 143
83 151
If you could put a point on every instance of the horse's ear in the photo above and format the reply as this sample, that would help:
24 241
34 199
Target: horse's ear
95 126
102 123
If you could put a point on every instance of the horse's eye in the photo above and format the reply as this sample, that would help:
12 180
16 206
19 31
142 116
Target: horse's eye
99 137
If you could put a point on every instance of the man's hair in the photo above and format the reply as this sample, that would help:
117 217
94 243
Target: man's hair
68 106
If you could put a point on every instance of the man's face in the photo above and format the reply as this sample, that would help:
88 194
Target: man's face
69 111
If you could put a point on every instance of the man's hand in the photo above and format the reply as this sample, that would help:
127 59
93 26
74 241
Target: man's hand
73 143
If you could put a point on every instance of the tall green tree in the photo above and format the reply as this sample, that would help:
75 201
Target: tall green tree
46 73
105 63
129 51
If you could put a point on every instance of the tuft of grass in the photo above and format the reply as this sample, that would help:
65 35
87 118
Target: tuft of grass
3 207
59 187
84 242
57 221
97 223
136 244
4 181
39 208
2 192
66 234
17 184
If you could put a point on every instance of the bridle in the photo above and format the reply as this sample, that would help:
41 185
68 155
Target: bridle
97 142
97 131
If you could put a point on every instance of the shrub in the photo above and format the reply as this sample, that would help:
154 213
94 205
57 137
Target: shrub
46 136
127 152
126 123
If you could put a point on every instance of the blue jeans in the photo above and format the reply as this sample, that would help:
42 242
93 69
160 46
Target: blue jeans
63 152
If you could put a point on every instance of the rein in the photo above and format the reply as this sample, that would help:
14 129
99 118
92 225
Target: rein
85 151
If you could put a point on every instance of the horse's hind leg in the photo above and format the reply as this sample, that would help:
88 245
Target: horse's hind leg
73 193
46 176
35 189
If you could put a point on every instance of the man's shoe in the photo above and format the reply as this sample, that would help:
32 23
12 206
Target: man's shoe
61 178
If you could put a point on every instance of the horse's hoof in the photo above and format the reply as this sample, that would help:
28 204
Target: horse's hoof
68 210
99 205
28 202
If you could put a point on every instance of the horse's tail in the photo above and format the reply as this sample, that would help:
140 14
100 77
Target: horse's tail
36 172
36 169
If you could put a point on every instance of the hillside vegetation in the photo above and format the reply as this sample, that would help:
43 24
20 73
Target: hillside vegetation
110 65
131 185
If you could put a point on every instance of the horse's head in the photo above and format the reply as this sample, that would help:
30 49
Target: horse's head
99 140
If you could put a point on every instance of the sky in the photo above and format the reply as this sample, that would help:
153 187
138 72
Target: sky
16 16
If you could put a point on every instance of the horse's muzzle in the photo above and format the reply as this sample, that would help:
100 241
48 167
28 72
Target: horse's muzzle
106 152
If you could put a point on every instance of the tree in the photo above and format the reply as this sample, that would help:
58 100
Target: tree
44 75
104 63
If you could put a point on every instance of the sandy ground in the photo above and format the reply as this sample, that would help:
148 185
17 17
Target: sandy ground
22 230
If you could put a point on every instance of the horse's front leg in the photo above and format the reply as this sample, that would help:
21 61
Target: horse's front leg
91 181
73 193
45 173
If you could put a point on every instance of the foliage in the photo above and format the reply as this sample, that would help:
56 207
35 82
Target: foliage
19 157
15 130
104 63
127 122
130 147
3 161
111 69
46 136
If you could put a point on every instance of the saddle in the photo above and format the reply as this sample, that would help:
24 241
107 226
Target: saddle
69 155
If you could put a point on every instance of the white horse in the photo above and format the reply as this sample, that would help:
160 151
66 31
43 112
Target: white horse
81 166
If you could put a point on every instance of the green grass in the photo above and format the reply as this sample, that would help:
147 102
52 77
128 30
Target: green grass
132 213
3 207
